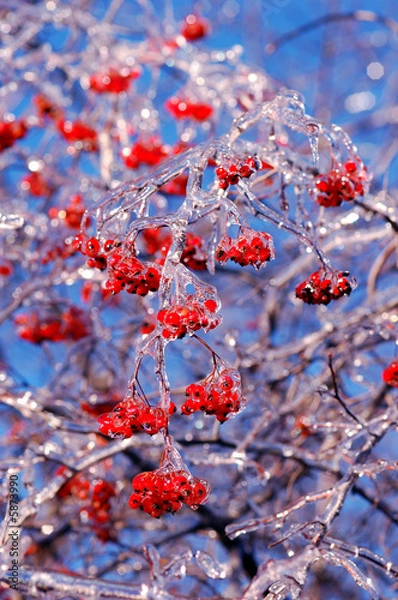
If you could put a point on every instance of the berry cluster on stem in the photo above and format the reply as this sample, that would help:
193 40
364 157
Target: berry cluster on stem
134 415
78 132
220 394
72 324
95 495
112 81
251 247
196 313
324 286
166 489
125 270
184 108
344 183
233 174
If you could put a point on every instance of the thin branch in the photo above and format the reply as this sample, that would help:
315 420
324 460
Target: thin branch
365 16
337 393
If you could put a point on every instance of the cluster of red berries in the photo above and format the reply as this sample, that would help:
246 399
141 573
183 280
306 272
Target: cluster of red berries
128 273
250 248
390 374
125 270
322 287
36 185
235 173
133 415
72 324
182 108
112 81
344 183
194 28
100 507
72 214
77 132
166 490
150 153
10 132
181 319
98 496
220 396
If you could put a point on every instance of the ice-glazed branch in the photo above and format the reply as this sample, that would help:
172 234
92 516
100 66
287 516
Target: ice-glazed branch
278 579
37 582
268 214
362 553
365 16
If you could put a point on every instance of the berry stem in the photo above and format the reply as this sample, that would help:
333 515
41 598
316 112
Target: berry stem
268 214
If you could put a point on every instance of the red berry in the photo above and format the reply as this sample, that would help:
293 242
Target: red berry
245 171
390 374
161 316
10 132
211 305
223 184
5 269
144 482
153 506
147 327
91 247
108 245
153 279
350 166
189 407
322 185
114 286
221 173
196 390
78 131
135 501
173 318
194 28
226 382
